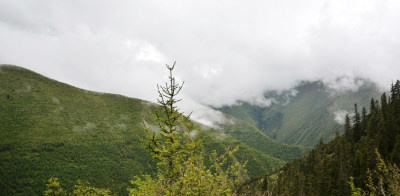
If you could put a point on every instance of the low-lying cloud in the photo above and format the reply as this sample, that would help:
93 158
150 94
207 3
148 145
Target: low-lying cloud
340 116
201 113
225 50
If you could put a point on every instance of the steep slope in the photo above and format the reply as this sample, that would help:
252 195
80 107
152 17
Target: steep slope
366 155
302 118
329 168
250 135
50 129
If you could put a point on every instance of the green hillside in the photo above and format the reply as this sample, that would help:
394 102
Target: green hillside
366 155
250 135
50 129
362 161
304 118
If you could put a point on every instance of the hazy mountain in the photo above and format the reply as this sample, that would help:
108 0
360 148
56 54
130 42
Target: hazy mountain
301 116
50 129
252 136
362 161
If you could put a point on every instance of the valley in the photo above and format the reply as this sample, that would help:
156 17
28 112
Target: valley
51 129
306 116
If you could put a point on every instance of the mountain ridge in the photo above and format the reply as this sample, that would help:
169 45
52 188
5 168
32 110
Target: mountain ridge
302 117
52 129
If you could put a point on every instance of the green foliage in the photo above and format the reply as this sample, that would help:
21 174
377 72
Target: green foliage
351 164
250 135
48 128
256 161
53 129
54 188
176 139
384 180
355 191
195 179
81 189
261 185
177 147
306 117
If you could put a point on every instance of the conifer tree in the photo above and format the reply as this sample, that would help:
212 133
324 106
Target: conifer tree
177 147
354 163
372 105
347 129
395 91
383 103
174 143
364 120
357 124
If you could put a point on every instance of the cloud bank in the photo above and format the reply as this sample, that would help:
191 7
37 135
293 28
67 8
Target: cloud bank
225 50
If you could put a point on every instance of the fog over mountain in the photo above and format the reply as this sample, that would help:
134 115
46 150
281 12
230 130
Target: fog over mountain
225 50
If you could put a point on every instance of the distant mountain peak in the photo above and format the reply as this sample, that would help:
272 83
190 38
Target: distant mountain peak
306 112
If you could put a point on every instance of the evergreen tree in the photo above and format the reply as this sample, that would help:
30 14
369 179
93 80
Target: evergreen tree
395 91
364 120
357 124
174 143
372 105
384 180
350 165
347 129
177 147
383 103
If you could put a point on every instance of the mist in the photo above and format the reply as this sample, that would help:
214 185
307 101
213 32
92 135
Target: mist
225 50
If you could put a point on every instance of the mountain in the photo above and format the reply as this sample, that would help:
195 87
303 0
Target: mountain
362 161
51 129
252 136
305 114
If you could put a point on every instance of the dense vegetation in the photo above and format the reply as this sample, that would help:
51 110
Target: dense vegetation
302 118
361 161
50 129
250 135
177 147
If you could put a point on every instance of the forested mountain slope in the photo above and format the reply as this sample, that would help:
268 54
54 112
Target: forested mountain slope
361 161
250 135
305 114
50 129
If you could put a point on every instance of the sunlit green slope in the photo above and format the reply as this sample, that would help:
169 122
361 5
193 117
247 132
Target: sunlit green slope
50 129
252 136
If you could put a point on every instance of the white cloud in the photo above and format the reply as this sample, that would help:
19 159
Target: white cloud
342 84
261 101
225 50
340 116
149 53
201 113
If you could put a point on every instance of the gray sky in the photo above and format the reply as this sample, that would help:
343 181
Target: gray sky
225 50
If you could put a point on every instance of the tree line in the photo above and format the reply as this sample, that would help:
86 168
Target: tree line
361 161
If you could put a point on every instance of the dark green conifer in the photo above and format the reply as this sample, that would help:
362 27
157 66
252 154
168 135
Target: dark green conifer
372 105
364 120
357 124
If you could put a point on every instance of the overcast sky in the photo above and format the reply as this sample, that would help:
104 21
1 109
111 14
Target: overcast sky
225 50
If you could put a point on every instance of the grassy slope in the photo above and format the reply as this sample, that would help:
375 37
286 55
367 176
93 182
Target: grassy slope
306 118
50 129
250 135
